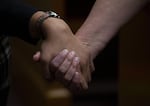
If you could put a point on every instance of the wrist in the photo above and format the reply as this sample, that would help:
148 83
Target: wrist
40 23
96 41
32 24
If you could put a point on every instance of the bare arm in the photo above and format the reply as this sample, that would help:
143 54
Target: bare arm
104 20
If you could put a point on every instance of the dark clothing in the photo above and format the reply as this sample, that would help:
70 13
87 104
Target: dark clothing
3 96
5 52
14 21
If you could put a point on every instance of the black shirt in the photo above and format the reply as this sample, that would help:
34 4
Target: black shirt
14 19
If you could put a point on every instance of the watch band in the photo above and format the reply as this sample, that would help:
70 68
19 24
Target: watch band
45 16
42 18
52 14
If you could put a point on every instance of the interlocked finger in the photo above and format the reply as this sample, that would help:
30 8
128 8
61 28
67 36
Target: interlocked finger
75 86
58 60
67 62
71 71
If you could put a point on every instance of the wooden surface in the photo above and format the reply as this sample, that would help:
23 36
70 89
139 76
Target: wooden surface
27 81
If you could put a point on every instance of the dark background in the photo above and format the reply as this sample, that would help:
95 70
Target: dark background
122 69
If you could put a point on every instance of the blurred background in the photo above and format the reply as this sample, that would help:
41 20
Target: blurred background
122 70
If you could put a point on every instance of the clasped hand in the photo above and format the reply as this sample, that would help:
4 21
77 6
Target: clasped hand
63 56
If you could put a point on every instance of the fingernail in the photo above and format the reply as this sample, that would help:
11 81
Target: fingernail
65 51
76 59
72 53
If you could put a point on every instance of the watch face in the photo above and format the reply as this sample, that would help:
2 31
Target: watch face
53 14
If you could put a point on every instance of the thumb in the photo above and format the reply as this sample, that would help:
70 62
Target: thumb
36 56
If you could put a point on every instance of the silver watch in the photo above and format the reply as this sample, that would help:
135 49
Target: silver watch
45 16
52 14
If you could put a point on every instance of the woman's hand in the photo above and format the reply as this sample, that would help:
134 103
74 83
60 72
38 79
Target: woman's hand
58 36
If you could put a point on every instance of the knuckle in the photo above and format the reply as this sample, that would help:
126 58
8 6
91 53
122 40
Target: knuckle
67 78
55 64
62 70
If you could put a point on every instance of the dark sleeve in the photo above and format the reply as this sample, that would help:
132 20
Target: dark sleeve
14 19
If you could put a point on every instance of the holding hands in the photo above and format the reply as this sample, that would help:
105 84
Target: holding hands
63 56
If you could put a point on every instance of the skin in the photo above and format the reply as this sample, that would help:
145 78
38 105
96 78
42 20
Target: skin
57 36
74 70
107 17
70 66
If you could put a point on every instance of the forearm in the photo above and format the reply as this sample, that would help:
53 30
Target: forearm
104 20
42 24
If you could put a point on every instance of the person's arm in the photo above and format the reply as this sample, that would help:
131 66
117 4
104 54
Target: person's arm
57 36
104 20
21 20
